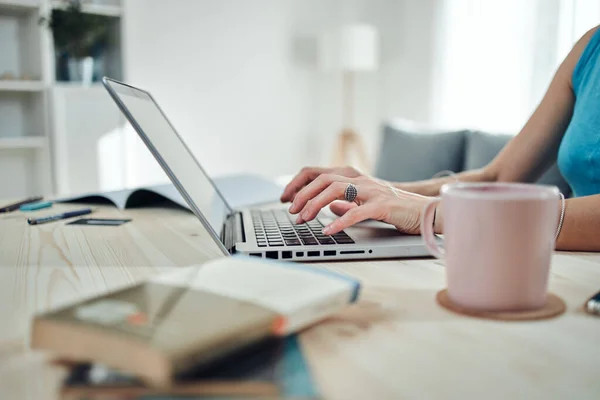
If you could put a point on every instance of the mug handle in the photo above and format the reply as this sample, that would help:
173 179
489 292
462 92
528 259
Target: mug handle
427 229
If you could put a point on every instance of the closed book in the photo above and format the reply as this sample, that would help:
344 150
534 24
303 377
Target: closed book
274 368
171 323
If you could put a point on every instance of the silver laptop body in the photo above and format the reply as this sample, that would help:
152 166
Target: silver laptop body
267 232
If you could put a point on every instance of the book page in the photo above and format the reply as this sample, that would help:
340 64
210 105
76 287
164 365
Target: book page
238 190
146 196
302 294
117 197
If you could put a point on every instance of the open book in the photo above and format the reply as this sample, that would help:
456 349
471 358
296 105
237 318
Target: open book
239 191
172 323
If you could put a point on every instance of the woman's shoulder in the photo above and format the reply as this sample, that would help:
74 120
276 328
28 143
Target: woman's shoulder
583 52
591 32
584 41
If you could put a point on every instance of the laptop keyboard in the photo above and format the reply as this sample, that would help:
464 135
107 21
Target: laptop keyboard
274 228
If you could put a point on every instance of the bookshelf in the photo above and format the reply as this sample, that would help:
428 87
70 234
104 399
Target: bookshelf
25 167
22 143
83 118
21 86
18 6
36 106
107 9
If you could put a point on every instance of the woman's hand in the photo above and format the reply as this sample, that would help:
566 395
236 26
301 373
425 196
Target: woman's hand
309 174
375 200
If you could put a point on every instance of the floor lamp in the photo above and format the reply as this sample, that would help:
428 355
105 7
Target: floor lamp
350 49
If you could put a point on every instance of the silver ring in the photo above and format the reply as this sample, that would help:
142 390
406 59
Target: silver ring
350 193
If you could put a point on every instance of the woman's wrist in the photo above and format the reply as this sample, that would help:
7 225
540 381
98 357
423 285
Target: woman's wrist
437 220
413 187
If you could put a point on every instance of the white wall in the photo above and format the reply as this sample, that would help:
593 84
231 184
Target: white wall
224 73
238 78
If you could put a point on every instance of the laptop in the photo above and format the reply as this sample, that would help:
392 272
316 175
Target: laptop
260 232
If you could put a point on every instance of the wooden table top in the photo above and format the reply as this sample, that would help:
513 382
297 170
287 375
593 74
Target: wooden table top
395 343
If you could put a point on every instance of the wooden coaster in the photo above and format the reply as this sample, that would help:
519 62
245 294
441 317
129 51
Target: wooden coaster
553 308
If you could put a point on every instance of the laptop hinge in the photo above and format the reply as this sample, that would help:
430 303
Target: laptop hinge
238 225
233 231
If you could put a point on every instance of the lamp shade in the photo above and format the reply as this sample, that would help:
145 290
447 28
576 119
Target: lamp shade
350 48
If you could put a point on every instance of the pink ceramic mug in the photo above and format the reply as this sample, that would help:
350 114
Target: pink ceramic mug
498 243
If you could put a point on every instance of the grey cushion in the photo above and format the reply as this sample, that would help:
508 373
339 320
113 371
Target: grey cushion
481 148
410 156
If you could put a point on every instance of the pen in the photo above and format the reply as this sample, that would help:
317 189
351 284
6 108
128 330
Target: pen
35 206
56 217
15 206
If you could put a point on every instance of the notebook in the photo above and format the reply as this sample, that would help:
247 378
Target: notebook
171 323
238 190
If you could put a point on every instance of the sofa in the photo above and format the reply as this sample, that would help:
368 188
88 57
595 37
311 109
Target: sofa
409 152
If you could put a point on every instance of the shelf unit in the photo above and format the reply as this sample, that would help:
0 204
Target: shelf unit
83 119
18 6
22 143
107 10
21 86
38 114
25 167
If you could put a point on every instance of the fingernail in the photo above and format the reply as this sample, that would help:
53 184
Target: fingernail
292 208
326 230
304 215
299 220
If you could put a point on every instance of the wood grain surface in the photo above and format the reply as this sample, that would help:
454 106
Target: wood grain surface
395 343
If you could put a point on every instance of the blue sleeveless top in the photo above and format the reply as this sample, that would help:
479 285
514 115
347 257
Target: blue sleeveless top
579 152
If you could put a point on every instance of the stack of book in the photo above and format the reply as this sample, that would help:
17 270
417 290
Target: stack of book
226 327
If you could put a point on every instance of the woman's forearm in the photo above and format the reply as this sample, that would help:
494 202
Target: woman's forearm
431 187
581 225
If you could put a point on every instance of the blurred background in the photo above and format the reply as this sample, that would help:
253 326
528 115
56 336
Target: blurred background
263 86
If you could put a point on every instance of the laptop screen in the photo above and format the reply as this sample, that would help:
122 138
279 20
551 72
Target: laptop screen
172 154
